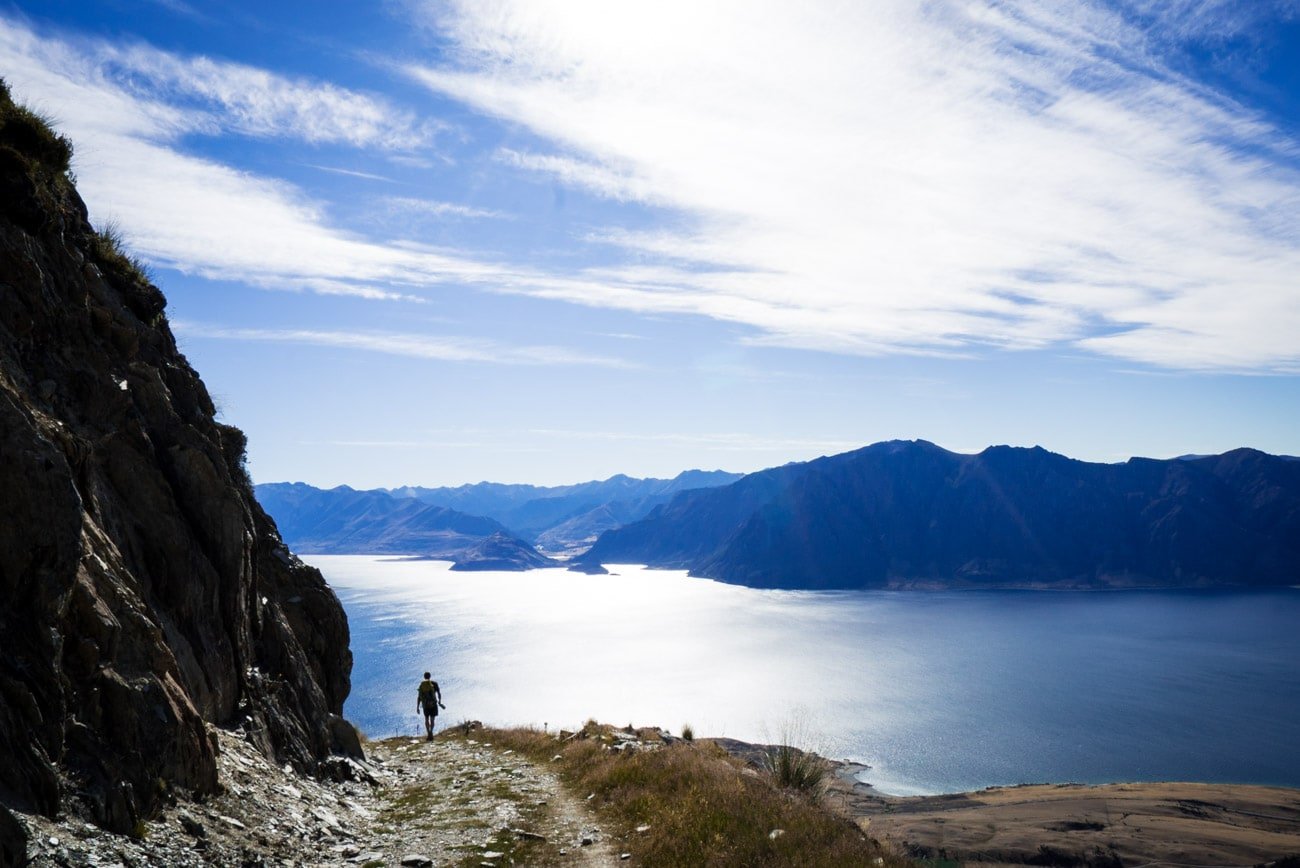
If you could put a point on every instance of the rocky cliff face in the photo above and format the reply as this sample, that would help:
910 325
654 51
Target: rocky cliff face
145 594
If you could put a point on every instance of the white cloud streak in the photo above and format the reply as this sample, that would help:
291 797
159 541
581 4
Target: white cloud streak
435 208
874 178
256 102
350 173
893 175
415 346
200 216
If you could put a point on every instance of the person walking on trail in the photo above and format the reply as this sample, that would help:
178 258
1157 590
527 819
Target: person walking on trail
428 700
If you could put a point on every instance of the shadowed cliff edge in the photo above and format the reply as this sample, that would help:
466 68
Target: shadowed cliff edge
147 595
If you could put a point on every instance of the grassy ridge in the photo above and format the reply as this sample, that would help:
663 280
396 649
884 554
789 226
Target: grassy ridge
695 804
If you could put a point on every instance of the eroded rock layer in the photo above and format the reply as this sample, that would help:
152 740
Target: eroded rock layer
145 593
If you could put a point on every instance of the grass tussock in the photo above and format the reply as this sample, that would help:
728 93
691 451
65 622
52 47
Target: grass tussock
30 134
108 247
794 769
696 804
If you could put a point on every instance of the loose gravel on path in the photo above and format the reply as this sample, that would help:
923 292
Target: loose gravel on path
453 801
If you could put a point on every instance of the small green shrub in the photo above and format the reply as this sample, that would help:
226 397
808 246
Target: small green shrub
688 732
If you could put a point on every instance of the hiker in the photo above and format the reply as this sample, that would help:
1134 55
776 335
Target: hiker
428 700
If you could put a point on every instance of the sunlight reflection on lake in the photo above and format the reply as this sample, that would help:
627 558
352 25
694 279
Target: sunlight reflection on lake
937 692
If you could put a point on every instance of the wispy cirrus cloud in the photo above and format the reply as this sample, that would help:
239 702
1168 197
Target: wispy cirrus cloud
937 179
205 217
437 208
1212 20
898 176
257 102
350 173
208 218
445 348
180 7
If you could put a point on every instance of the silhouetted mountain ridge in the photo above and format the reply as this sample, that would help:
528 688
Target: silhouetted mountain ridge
343 520
446 522
910 514
531 510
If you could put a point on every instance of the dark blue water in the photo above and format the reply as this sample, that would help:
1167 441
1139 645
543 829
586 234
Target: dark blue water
937 692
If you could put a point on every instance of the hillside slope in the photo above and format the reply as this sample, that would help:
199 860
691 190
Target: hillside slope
146 593
908 514
566 514
447 522
346 521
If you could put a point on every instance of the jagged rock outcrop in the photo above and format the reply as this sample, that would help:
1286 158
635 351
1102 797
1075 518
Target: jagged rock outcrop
146 594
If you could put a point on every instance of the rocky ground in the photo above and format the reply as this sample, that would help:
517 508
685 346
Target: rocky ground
456 800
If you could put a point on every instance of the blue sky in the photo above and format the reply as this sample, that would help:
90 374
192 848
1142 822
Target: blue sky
544 241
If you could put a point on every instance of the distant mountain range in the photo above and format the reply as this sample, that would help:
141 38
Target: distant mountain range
346 521
483 526
564 517
902 514
910 514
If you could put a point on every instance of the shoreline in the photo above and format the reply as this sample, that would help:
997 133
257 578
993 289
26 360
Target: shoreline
1069 824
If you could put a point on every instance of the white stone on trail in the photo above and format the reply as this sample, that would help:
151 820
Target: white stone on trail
415 860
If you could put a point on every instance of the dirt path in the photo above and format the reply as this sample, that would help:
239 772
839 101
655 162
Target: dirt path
459 801
454 801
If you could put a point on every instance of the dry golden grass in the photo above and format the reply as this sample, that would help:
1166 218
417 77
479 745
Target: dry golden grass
701 806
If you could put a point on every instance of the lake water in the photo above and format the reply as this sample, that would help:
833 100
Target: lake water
937 692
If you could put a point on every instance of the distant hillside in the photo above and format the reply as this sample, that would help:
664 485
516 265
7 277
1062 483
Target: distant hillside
346 521
502 552
910 514
566 516
446 522
449 522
